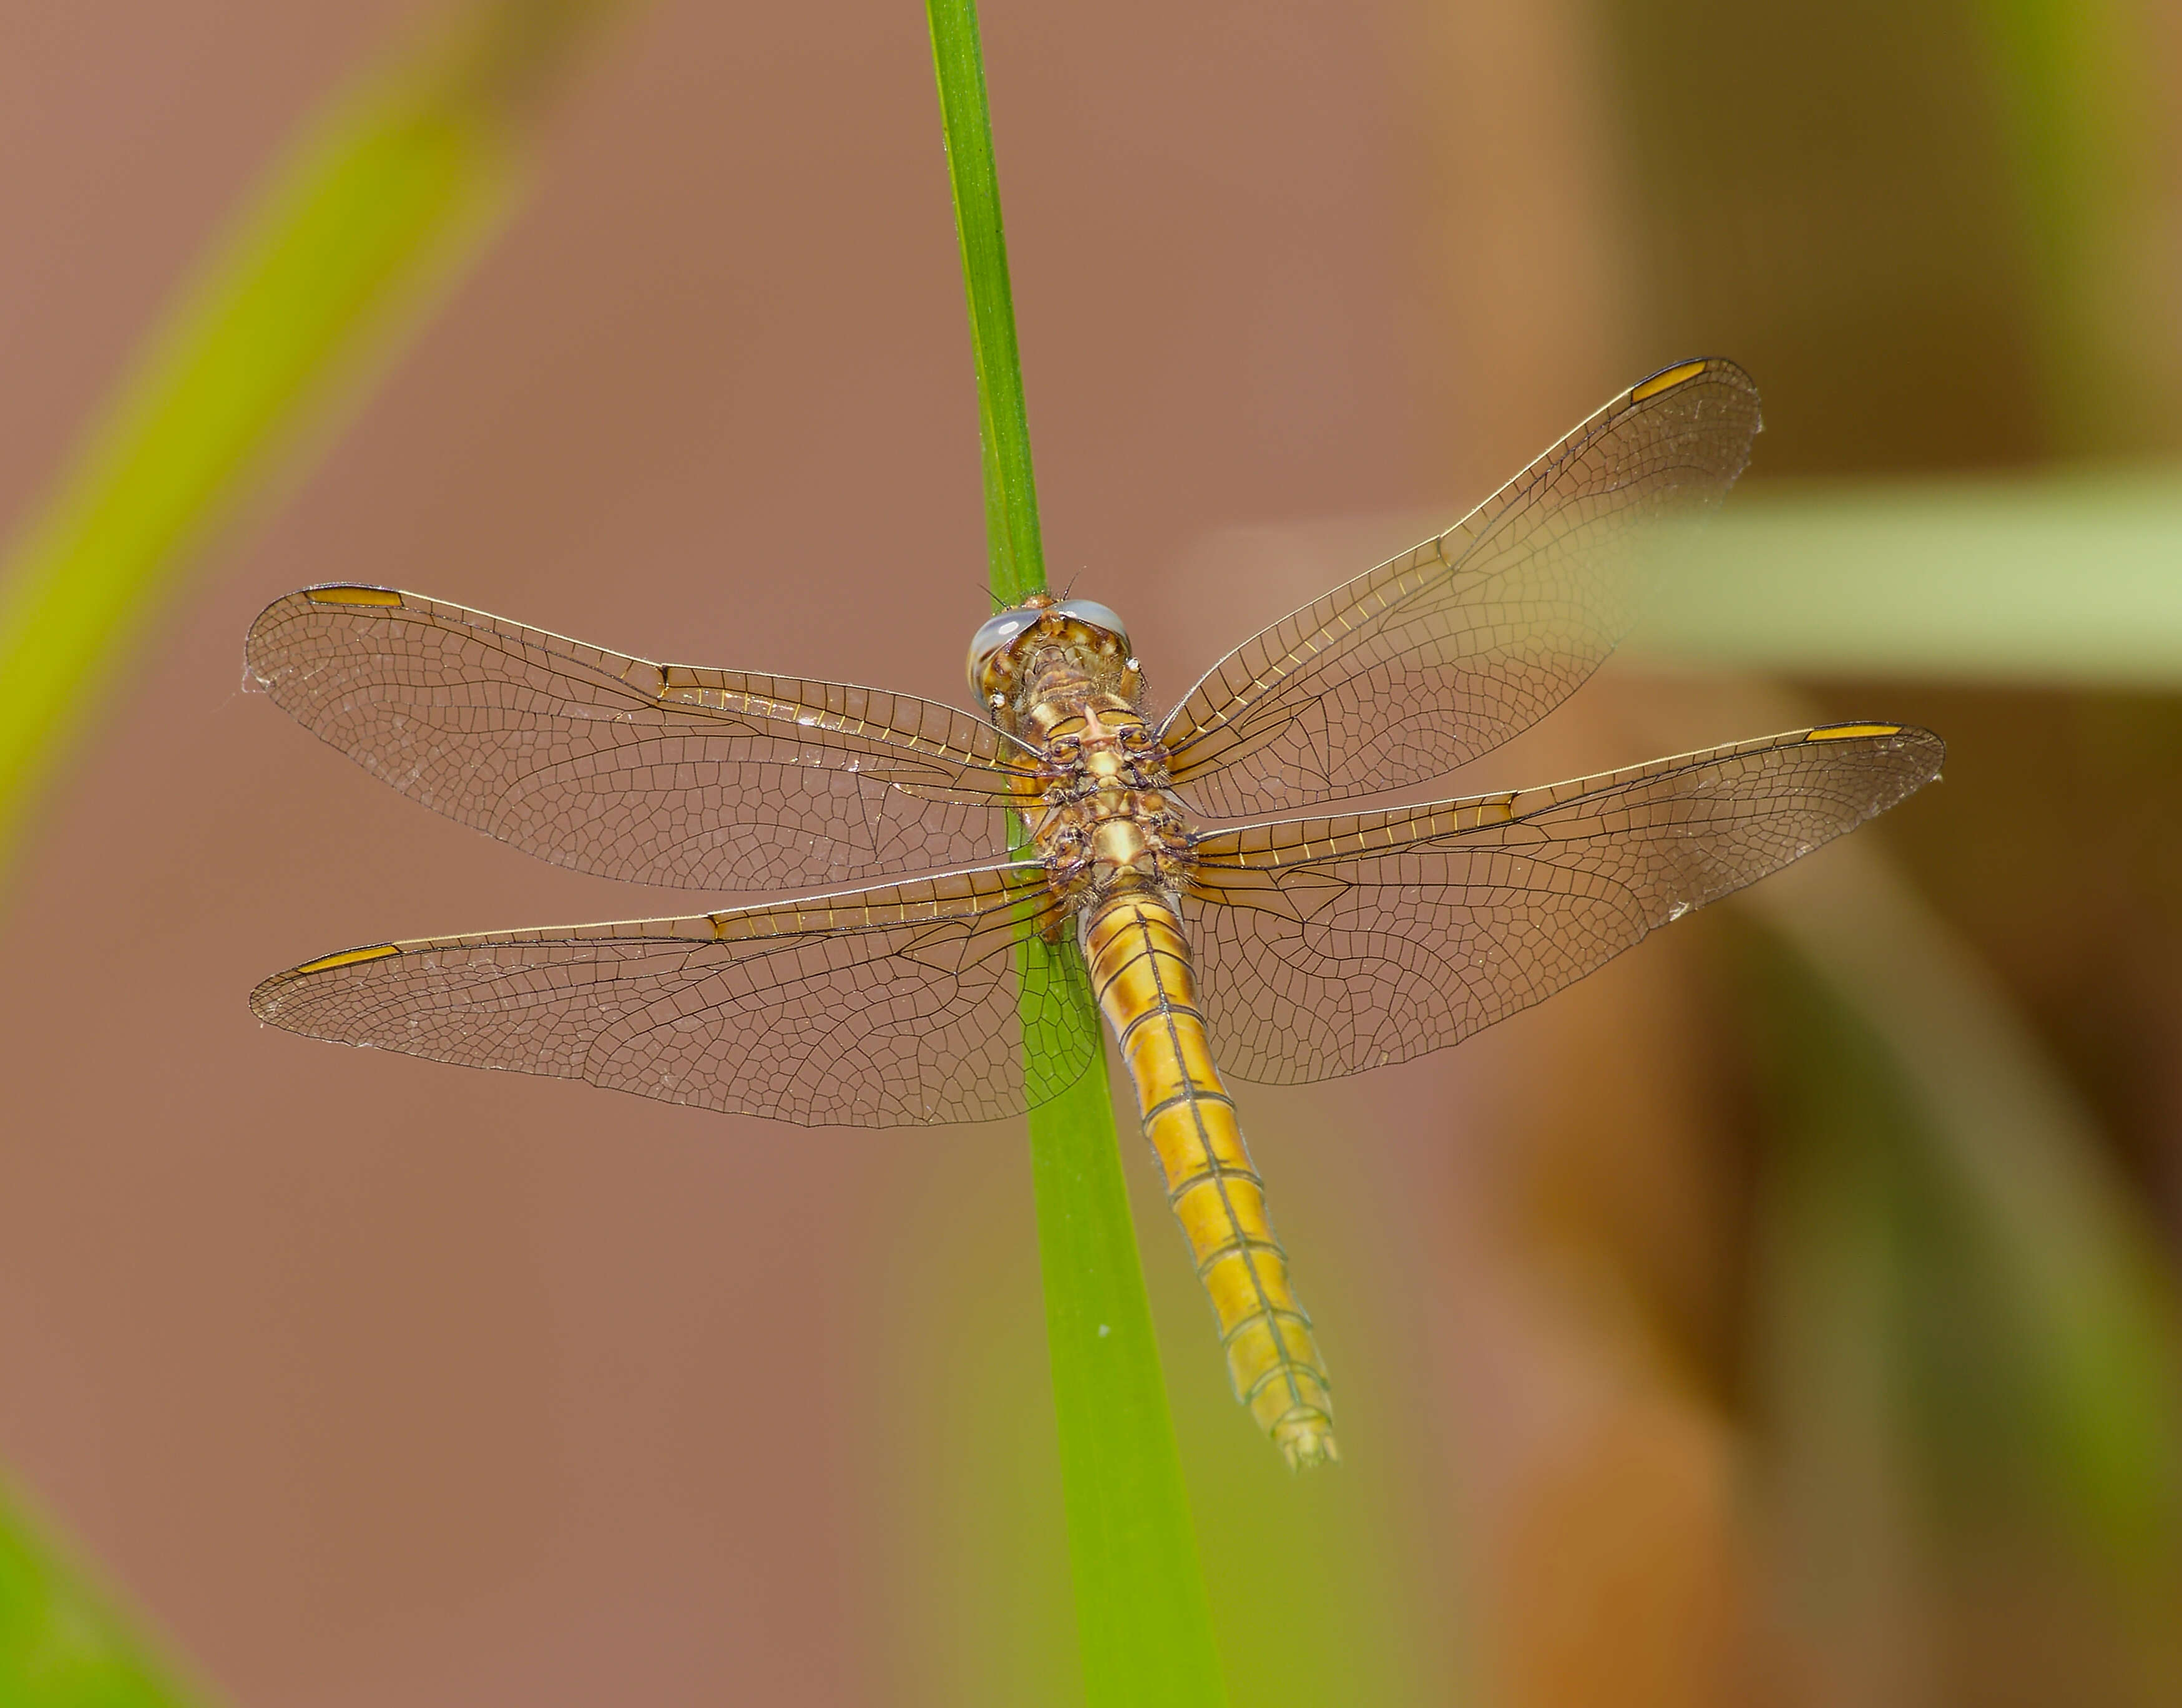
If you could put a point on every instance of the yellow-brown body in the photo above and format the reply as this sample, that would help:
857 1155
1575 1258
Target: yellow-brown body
1140 971
1116 848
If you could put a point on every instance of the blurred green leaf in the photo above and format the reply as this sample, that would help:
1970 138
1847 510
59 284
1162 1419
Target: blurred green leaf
370 214
379 206
61 1645
2080 85
1143 1619
2045 580
1971 1340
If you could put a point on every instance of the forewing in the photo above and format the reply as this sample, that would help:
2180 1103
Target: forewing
1329 945
666 774
1445 652
897 1006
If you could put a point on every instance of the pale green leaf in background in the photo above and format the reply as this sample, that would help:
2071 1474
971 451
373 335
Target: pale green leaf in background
384 200
2042 580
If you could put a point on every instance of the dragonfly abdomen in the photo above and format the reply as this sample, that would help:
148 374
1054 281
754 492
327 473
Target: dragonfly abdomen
1147 988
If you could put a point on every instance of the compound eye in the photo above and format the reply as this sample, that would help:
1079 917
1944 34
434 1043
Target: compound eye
993 637
1088 611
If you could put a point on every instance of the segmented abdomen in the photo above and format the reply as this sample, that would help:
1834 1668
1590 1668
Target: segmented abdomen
1147 988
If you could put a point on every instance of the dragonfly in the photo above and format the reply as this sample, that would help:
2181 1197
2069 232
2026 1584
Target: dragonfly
936 970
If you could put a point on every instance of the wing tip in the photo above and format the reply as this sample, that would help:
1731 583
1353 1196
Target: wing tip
335 595
1677 374
1896 735
1916 753
265 1001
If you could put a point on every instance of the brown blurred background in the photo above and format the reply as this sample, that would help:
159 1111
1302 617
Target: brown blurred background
1681 1362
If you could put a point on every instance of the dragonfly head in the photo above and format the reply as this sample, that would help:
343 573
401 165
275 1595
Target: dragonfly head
1045 645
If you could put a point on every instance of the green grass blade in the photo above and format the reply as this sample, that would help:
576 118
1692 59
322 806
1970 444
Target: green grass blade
1143 1619
387 195
1018 552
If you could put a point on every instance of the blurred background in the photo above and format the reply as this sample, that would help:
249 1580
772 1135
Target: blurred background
1785 1315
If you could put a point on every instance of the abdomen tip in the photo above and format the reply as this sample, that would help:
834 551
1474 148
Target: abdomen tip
1306 1441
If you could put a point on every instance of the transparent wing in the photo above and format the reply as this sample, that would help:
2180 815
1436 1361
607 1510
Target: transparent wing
1329 945
666 774
897 1006
1447 651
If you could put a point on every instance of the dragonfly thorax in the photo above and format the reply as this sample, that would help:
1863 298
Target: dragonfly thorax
1108 823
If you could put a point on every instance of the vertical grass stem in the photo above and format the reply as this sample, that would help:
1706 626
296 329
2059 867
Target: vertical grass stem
1143 1619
